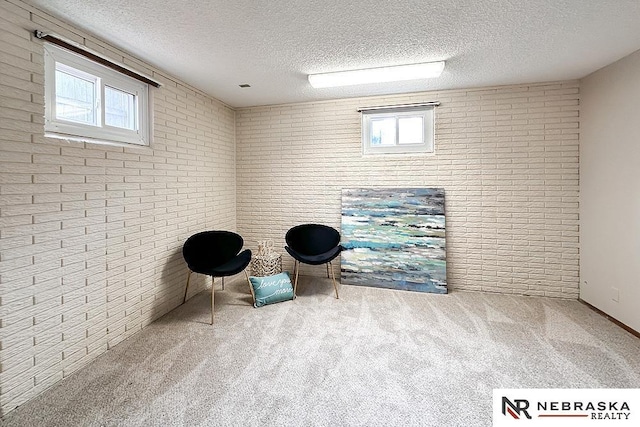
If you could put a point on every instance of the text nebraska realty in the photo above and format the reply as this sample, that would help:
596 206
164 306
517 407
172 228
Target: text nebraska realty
599 410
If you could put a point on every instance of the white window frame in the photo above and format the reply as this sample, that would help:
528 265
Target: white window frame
103 76
428 135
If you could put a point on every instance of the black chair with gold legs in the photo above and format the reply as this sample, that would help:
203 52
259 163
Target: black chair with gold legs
215 254
313 244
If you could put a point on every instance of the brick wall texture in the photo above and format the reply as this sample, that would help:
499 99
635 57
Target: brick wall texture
507 158
90 235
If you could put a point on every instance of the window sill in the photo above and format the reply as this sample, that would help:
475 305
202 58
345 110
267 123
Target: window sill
97 141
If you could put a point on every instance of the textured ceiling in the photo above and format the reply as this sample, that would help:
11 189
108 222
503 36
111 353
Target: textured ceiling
216 45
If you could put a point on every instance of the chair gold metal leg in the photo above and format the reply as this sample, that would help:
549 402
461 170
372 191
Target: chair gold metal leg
296 269
333 276
253 295
213 294
223 283
327 264
187 287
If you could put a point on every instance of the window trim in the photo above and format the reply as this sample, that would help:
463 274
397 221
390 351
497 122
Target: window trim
426 111
99 133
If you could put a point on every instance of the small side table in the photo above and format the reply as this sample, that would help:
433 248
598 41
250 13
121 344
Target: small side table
266 265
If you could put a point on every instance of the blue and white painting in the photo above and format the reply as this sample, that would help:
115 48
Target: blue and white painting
394 238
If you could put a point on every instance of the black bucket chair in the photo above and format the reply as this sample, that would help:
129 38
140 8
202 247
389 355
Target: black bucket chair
313 244
215 254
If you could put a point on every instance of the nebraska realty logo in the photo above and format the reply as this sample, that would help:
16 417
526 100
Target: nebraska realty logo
566 407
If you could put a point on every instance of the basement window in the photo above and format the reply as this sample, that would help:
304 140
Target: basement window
87 101
398 129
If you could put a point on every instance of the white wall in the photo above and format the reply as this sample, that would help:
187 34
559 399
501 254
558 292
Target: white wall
91 235
610 190
507 158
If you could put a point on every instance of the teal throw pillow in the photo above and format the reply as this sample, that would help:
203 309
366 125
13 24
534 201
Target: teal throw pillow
270 289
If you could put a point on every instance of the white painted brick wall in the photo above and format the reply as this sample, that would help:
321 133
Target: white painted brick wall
507 158
91 235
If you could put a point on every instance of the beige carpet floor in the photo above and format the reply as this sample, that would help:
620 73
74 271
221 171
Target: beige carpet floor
375 357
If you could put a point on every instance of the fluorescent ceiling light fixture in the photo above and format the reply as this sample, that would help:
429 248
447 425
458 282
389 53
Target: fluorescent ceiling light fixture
396 73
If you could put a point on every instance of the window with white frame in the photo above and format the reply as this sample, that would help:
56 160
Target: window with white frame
401 129
89 102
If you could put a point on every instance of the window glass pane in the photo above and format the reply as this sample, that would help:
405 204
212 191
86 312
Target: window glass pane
410 130
383 131
75 98
119 108
88 102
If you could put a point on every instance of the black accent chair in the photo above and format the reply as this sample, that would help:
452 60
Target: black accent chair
313 244
215 254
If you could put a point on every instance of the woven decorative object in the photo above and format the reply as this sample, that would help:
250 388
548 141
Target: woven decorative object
266 262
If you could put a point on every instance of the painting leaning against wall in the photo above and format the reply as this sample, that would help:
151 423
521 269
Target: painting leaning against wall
394 238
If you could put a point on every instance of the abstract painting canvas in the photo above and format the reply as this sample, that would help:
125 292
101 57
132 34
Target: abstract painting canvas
394 238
